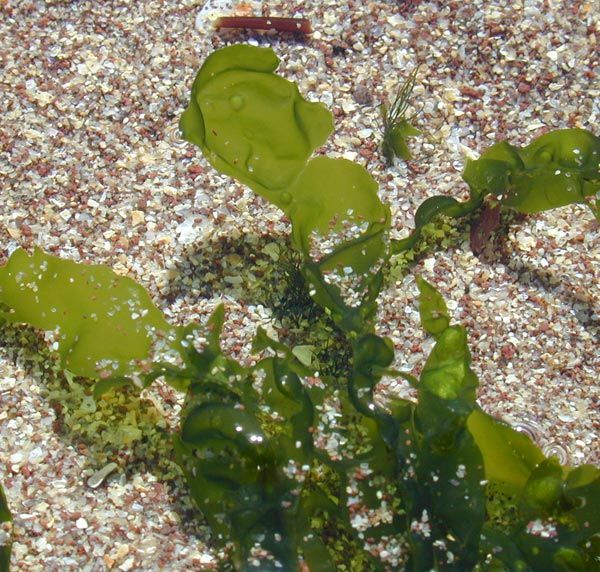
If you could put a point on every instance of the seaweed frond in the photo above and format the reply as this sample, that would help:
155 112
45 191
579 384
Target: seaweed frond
396 126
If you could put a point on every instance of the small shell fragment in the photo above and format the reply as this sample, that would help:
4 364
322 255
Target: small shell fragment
99 476
529 427
556 450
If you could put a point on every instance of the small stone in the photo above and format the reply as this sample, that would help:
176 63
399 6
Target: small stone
348 106
451 95
137 217
36 455
122 242
524 87
99 476
122 551
362 95
13 232
81 523
127 565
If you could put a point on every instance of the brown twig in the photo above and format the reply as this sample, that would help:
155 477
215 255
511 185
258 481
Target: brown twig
301 25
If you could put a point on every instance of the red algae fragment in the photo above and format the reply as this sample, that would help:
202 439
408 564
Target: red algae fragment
301 25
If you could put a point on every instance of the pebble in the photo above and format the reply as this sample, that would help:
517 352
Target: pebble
362 95
36 455
100 476
524 87
137 217
127 565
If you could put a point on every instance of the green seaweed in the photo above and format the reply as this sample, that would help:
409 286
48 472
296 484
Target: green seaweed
105 325
5 542
432 309
295 470
396 126
242 449
254 126
440 457
558 168
258 471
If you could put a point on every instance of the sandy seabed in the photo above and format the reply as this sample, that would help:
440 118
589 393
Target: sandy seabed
92 169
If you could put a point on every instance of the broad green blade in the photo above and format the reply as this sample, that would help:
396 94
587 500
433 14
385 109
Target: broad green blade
252 124
104 324
432 308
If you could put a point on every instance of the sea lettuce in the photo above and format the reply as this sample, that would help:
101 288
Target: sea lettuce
454 487
292 469
104 325
254 126
558 168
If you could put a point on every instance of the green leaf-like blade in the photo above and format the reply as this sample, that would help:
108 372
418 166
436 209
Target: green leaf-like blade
105 323
432 308
432 207
557 169
252 124
223 422
509 456
407 130
491 172
447 372
5 515
372 354
543 488
397 141
336 195
448 467
5 544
